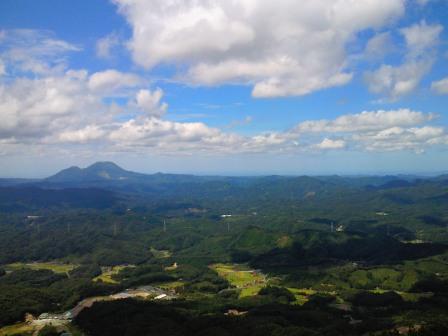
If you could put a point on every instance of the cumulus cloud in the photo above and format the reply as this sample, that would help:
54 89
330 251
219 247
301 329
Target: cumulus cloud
370 131
397 139
421 37
375 131
331 144
279 48
83 135
164 136
395 82
365 121
440 86
33 108
66 108
57 107
150 102
111 81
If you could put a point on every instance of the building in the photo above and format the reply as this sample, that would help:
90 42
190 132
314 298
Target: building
235 312
121 296
49 316
340 228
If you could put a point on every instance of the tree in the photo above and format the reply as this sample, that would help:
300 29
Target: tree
277 293
48 331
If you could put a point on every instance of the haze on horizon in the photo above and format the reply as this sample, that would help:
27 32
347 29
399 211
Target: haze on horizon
224 87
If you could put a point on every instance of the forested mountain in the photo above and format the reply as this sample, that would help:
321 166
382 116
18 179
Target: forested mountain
96 172
284 251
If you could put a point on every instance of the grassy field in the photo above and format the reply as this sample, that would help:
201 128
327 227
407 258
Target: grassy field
52 266
412 297
301 294
249 281
108 272
170 285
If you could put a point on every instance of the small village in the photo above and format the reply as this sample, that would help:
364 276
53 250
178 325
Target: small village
62 320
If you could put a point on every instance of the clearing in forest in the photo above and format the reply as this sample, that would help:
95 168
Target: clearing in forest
108 272
52 266
17 329
242 277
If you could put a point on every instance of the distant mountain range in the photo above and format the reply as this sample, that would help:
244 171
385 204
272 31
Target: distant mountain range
109 175
105 183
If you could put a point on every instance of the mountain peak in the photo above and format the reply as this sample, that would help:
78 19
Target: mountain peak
104 165
105 170
99 171
73 168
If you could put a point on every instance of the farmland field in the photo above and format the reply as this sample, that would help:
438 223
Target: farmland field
109 272
249 281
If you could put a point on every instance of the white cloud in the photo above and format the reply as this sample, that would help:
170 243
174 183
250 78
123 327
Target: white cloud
374 131
395 82
365 121
280 48
421 37
168 137
150 102
111 81
54 108
371 131
331 144
58 110
83 135
106 44
154 134
440 86
398 139
32 108
35 51
379 45
66 108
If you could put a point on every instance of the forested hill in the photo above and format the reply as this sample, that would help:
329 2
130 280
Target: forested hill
285 250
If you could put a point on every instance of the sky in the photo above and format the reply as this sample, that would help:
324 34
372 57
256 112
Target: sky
230 87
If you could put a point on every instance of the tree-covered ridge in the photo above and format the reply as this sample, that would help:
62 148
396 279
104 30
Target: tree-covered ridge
276 255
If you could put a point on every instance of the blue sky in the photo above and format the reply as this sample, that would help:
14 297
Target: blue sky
224 87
